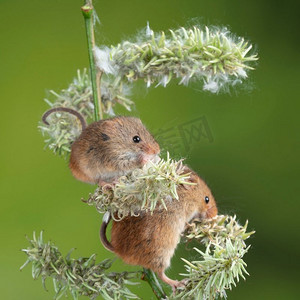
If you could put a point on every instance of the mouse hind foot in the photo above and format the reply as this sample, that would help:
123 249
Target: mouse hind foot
173 283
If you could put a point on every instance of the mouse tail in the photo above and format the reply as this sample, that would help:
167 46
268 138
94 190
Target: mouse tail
64 109
107 245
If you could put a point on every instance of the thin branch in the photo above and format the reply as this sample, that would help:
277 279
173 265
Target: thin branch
88 13
98 83
150 277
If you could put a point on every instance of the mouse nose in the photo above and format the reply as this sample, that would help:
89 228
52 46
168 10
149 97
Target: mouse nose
155 149
152 150
212 212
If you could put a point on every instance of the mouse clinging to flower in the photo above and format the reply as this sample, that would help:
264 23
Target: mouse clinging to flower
108 149
150 239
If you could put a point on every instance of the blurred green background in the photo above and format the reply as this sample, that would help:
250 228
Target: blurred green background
250 163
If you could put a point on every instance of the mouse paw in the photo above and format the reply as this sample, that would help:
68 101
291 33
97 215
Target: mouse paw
184 282
175 284
107 185
181 284
102 183
178 285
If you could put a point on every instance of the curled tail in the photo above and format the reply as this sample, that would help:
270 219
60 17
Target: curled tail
107 245
65 109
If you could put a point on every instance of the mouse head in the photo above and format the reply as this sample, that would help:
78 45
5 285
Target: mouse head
202 199
207 203
129 143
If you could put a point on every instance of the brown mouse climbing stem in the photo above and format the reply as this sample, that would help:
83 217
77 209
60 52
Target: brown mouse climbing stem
108 149
150 240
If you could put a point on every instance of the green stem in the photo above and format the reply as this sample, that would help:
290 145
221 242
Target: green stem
88 11
150 277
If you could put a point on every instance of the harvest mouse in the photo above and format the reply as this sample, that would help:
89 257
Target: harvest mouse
150 240
108 149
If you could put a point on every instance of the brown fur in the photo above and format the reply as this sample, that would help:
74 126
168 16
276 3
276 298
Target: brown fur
150 240
105 149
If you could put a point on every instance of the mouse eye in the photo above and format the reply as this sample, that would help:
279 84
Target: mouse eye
136 139
206 199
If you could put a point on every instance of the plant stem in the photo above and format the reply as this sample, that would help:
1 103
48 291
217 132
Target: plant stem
88 11
150 277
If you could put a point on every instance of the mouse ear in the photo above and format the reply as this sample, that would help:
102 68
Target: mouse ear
192 179
193 175
106 125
